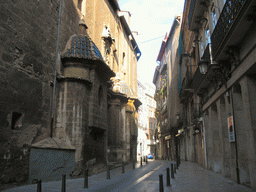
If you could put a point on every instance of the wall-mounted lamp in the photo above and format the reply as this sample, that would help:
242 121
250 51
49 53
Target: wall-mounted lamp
197 130
218 69
177 116
202 20
203 66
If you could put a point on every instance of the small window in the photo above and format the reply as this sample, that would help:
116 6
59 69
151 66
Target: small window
100 95
214 17
201 47
207 35
16 120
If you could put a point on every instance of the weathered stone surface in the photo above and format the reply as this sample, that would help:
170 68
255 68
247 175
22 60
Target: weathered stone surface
7 57
28 41
27 44
27 135
54 143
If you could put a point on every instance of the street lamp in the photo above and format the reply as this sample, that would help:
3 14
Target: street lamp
177 116
197 129
203 66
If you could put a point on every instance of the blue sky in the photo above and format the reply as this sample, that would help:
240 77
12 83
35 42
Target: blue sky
151 19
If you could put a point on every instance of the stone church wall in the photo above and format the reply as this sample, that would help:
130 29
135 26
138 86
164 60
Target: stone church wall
27 57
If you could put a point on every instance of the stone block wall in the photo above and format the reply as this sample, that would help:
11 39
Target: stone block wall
98 101
72 114
27 57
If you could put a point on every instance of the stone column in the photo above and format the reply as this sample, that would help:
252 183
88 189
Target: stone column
223 137
214 141
240 130
248 88
72 106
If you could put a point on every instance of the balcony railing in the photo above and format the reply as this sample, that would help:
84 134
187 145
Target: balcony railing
196 110
187 83
164 109
197 79
207 53
230 12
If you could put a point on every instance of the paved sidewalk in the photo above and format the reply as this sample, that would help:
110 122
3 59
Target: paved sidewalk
189 177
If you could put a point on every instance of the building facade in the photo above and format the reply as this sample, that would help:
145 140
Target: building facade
147 143
168 83
65 86
218 87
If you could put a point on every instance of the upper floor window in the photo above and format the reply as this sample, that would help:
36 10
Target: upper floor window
207 35
214 17
201 47
100 95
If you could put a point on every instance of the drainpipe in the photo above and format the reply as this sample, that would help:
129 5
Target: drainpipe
205 151
55 71
185 136
237 166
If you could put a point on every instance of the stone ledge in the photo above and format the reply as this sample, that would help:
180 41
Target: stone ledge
53 143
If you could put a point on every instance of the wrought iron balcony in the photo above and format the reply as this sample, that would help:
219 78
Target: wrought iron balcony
187 90
234 21
202 81
164 109
196 13
197 79
157 95
207 53
196 110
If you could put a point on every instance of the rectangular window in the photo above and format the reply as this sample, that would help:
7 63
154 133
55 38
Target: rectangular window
207 35
201 48
214 17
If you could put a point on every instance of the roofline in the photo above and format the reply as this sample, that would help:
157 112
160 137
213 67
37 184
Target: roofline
155 75
128 33
161 52
175 24
114 4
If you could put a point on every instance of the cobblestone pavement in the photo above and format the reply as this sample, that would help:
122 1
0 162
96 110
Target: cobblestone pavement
189 177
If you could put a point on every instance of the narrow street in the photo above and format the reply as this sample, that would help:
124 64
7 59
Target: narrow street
189 177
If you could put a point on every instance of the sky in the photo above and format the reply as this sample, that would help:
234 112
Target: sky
152 20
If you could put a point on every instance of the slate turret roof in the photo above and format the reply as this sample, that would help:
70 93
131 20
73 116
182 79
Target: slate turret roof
81 46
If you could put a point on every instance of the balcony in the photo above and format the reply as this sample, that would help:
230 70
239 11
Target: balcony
207 53
234 22
200 81
157 114
164 109
157 95
196 13
196 110
187 89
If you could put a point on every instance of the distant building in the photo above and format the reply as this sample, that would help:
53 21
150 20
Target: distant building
147 121
166 95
